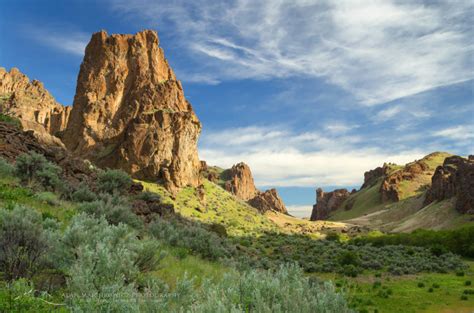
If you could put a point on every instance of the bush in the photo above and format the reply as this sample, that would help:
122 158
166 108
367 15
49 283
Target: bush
467 283
83 194
23 242
114 208
10 120
333 236
149 196
34 168
6 169
113 181
421 285
20 296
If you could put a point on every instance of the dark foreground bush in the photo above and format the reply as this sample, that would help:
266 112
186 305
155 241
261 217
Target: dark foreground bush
23 242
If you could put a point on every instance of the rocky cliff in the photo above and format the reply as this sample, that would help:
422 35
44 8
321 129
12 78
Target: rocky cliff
455 178
327 202
238 180
130 112
32 104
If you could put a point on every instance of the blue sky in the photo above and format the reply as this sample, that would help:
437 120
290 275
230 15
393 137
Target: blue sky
308 93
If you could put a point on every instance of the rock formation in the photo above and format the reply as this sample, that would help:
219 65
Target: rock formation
327 202
371 177
268 201
239 181
130 112
455 178
390 188
14 142
32 104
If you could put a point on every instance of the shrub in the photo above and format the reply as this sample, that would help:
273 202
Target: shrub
460 273
464 298
20 296
114 208
430 289
467 283
113 181
149 196
421 285
6 169
23 242
34 167
83 194
48 198
333 236
10 120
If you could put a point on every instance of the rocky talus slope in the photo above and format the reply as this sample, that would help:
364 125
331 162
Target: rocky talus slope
130 112
32 104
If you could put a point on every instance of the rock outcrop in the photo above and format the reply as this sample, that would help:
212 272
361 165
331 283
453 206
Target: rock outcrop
390 188
268 201
327 202
239 181
455 178
14 142
371 177
32 104
130 112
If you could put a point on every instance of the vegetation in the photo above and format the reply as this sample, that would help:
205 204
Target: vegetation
10 120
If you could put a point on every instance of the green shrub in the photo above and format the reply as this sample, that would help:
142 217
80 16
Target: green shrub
467 283
114 208
83 194
430 289
113 181
6 169
10 120
464 298
34 168
460 273
23 242
149 196
333 236
421 285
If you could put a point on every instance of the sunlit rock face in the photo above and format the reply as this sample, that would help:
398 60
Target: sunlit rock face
130 112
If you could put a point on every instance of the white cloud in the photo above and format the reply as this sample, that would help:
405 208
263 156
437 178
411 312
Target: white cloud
462 132
71 42
377 50
300 210
285 158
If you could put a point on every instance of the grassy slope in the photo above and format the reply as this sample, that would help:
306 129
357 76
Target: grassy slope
219 206
407 214
406 296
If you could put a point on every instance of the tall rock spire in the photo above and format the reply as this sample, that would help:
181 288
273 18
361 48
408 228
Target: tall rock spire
130 112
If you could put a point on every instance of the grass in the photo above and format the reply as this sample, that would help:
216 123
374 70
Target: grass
12 193
177 263
371 293
366 201
219 206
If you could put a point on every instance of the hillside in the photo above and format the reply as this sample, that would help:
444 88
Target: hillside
396 201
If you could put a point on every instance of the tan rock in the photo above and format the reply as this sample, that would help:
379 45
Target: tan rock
327 202
240 182
33 105
130 112
268 201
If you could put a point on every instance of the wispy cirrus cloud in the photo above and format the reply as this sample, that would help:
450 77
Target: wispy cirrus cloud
377 50
461 133
71 42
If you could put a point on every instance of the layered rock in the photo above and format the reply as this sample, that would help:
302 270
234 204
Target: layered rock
455 178
239 181
326 202
32 104
130 112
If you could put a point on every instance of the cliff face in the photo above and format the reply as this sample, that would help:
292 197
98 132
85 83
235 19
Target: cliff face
32 104
455 178
327 202
130 112
268 201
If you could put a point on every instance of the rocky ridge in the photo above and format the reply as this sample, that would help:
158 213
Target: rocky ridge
130 112
33 105
326 202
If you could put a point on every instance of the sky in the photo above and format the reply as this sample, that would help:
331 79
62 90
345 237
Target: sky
308 93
